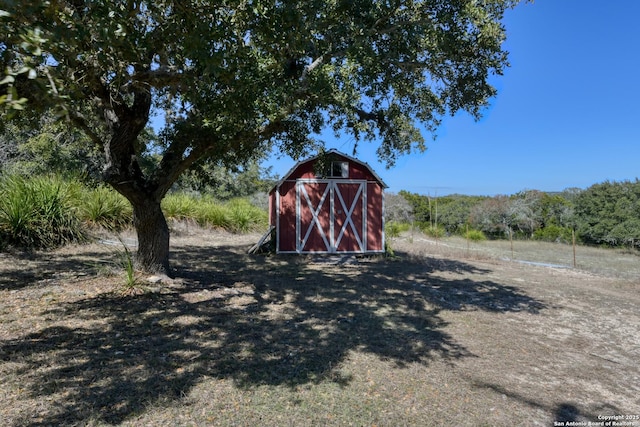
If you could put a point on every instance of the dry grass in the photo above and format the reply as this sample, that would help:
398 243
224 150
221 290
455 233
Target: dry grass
620 263
425 338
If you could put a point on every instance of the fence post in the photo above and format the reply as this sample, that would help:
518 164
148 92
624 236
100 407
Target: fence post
573 241
511 241
467 240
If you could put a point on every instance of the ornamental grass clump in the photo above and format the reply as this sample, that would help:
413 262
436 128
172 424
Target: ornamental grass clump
237 215
245 217
210 213
38 212
180 207
104 207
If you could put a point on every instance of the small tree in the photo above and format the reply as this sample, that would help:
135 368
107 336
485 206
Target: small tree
454 211
524 211
235 77
420 206
492 216
397 208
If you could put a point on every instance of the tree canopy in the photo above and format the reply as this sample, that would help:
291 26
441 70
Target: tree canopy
233 78
609 213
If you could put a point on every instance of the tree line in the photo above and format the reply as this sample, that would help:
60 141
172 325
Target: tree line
606 213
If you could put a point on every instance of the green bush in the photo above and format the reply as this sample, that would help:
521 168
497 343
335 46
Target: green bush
608 213
104 207
433 231
553 233
237 215
38 213
394 228
49 211
475 235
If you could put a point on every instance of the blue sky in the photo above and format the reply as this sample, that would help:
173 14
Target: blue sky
567 112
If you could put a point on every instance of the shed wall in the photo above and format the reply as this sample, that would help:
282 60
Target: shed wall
375 217
348 219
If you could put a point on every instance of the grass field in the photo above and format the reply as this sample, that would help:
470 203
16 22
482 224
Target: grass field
437 335
621 263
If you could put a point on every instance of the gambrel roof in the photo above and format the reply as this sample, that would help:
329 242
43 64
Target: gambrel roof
330 152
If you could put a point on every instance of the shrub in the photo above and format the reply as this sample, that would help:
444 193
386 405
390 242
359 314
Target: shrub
433 231
38 213
46 212
211 214
475 235
608 213
237 215
394 228
105 207
553 233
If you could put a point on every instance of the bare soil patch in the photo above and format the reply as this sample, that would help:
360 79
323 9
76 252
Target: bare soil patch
429 337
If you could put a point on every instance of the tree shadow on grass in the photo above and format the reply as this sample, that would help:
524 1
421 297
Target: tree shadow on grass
46 266
255 320
561 412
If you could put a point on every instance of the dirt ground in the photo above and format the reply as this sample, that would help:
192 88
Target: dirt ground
423 338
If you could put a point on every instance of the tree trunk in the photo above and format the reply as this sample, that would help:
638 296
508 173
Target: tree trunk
153 236
123 172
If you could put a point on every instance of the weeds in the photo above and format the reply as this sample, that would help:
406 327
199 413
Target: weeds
126 261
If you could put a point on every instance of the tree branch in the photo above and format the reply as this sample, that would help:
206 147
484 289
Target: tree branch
160 78
309 68
377 117
81 122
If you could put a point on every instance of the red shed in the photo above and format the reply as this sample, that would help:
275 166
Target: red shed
341 211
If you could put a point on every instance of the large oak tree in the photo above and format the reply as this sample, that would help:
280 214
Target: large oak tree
235 77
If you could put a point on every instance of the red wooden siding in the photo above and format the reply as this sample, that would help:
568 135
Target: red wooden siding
375 221
343 214
286 225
